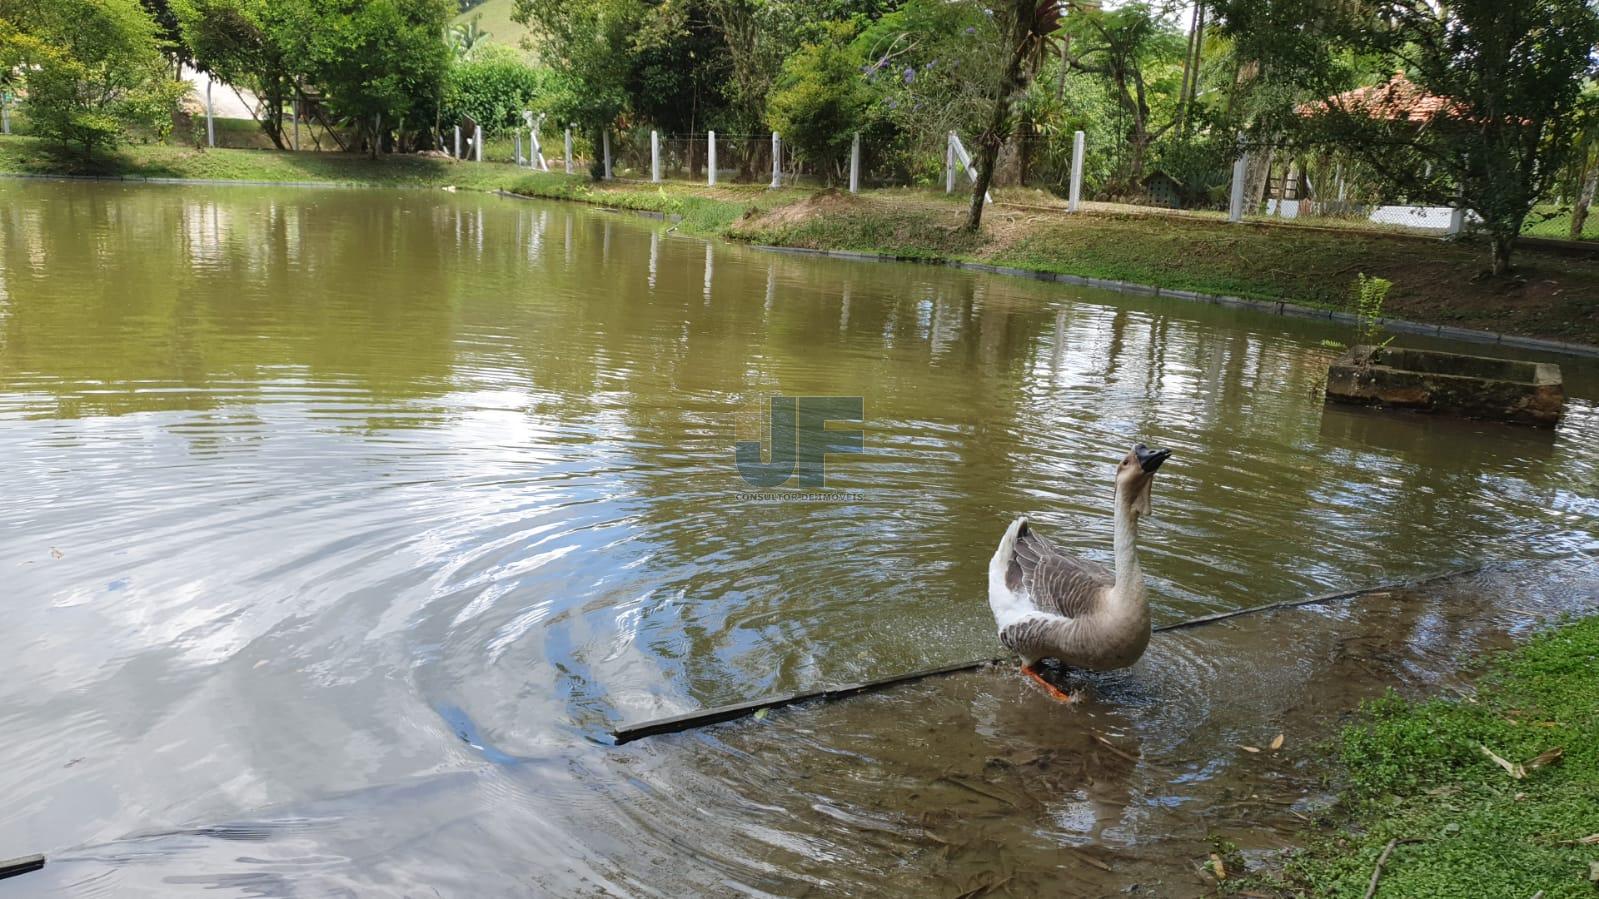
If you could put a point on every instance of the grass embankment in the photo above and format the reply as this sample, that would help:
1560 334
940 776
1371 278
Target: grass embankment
26 155
1417 772
1555 296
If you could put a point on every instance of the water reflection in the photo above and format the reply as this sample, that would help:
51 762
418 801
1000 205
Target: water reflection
333 476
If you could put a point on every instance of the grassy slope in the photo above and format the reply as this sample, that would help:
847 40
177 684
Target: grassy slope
1434 281
32 156
1416 772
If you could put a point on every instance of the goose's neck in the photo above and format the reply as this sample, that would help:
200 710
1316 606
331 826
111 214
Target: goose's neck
1129 577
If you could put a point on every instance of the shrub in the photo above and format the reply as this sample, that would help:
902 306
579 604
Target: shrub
820 100
492 87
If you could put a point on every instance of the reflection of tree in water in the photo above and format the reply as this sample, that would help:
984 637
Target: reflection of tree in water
219 295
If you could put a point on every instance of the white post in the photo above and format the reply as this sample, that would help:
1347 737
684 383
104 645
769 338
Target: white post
605 138
655 156
569 149
949 163
294 117
855 164
710 159
1235 204
457 141
210 125
777 160
477 142
1457 215
1075 196
5 112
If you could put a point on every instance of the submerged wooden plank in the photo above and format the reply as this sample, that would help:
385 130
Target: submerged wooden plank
720 714
24 865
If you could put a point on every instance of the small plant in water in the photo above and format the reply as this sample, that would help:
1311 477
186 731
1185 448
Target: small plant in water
1367 295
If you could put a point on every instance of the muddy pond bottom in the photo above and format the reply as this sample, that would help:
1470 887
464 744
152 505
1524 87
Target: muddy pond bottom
966 784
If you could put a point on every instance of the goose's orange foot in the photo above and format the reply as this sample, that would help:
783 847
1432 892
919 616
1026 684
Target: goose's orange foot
1054 692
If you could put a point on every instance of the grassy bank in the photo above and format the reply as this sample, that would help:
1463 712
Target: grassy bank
1466 827
1555 296
26 155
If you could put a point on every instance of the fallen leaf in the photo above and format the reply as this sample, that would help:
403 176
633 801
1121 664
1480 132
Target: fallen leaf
1249 748
1591 839
1593 871
56 553
1217 866
761 713
1547 757
1277 743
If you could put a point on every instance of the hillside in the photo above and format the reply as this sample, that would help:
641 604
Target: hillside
496 20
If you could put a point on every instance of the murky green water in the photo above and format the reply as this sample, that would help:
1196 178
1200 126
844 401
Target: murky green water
303 485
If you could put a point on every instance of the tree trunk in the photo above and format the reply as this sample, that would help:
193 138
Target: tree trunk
988 143
1579 214
1503 243
1257 173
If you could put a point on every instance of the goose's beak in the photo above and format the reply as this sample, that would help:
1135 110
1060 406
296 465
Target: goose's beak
1150 459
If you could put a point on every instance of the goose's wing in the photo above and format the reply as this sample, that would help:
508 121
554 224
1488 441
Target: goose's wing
1057 583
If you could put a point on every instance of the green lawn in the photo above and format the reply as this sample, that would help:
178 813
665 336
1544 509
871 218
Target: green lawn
1468 829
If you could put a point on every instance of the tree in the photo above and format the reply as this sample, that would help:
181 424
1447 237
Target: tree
379 63
243 43
586 42
1027 30
820 100
1122 46
1486 113
93 69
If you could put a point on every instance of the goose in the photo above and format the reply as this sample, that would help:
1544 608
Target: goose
1050 605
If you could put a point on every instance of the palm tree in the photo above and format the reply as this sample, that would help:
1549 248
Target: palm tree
464 38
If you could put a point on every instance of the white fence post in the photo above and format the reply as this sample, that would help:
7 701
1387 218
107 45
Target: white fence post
294 118
710 160
569 149
210 124
777 160
855 164
1235 204
1079 147
605 138
655 156
949 163
1457 215
5 112
477 142
457 141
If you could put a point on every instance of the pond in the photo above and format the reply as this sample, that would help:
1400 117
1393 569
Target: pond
341 527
